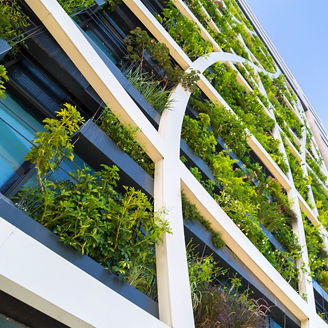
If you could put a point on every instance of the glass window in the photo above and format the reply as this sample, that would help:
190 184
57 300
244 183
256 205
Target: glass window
17 129
6 322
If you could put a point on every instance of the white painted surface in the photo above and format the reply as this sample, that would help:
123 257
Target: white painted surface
39 277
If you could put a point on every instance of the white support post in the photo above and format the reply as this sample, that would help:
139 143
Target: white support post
174 299
175 306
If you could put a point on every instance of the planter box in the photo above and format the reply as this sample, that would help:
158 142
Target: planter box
34 229
91 140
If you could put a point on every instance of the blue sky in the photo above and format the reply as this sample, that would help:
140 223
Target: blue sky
299 30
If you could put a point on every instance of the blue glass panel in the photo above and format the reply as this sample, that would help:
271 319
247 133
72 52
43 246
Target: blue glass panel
17 129
5 322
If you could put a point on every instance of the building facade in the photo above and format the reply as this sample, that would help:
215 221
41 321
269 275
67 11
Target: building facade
218 151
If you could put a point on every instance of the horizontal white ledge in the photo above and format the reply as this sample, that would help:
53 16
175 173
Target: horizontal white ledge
44 280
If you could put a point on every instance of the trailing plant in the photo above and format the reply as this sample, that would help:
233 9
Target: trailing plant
54 144
140 44
281 83
274 211
156 95
218 305
13 22
316 168
225 124
308 142
301 181
125 138
320 198
118 230
258 49
244 199
234 9
73 6
285 116
246 76
315 247
191 213
3 79
248 108
184 31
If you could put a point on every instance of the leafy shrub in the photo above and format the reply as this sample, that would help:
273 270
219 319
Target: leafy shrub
248 108
3 79
72 6
54 145
117 230
317 255
13 22
185 32
125 138
316 168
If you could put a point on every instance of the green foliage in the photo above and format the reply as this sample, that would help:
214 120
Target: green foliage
321 200
258 49
315 245
13 22
226 307
3 79
139 41
244 197
156 95
286 117
111 4
316 168
225 124
125 138
53 145
118 231
230 29
72 6
218 305
202 271
309 137
246 75
324 280
191 213
196 133
248 108
300 180
185 32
